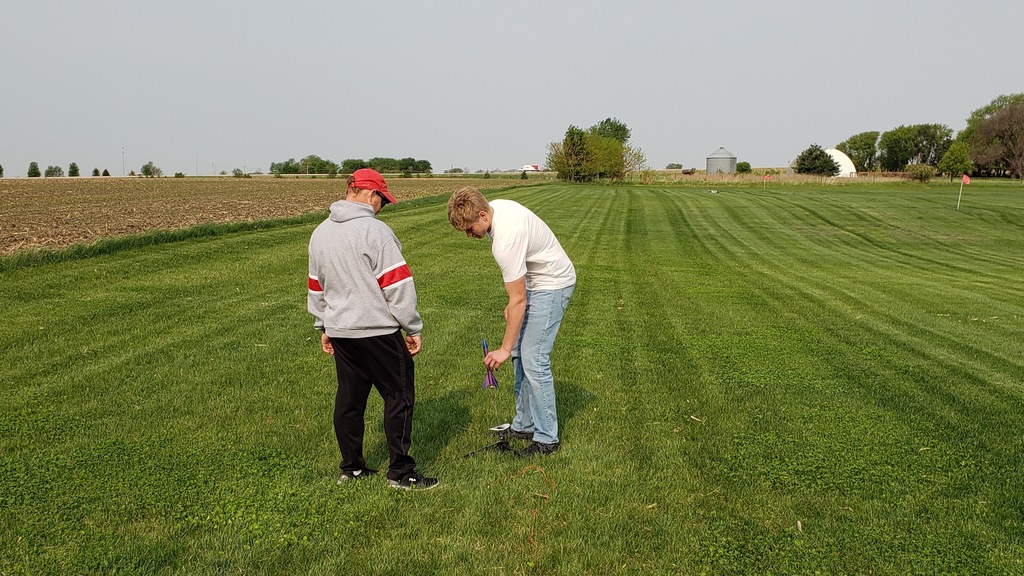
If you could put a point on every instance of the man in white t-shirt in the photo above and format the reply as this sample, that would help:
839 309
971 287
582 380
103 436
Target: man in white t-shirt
539 279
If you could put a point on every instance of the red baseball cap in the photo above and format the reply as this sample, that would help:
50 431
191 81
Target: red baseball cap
370 179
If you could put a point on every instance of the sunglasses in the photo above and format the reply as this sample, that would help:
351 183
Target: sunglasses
383 201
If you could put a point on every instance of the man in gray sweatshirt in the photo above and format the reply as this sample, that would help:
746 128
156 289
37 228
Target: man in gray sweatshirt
362 296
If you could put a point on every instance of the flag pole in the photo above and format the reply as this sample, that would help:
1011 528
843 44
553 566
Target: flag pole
964 179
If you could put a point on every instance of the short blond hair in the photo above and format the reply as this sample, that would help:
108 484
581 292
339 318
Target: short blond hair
465 206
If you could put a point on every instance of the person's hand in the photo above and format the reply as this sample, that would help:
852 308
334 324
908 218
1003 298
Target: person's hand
325 343
414 344
495 358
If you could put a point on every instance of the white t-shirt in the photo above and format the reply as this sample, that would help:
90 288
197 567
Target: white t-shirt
522 244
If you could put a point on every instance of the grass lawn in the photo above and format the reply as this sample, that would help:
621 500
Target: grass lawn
812 379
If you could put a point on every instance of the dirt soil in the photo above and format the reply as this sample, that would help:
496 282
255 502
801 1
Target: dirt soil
54 213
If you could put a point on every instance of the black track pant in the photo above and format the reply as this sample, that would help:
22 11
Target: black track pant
382 362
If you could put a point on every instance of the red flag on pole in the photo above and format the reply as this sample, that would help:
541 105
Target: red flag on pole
767 177
966 179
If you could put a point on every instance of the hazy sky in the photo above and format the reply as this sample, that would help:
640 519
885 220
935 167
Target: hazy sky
197 86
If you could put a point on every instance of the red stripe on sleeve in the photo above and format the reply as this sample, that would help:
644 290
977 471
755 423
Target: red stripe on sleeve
314 285
392 277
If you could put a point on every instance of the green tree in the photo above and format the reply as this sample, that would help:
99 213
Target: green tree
575 156
814 160
896 148
54 171
599 152
95 171
385 165
289 166
149 170
33 170
1 171
407 164
997 104
862 149
998 142
604 158
633 159
73 170
352 164
956 160
743 168
611 128
314 164
673 166
555 160
931 142
106 172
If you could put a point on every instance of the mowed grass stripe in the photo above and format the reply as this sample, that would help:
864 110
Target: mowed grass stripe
917 222
809 286
869 286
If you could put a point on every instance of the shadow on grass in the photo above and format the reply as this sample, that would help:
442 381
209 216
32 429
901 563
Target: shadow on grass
436 421
571 398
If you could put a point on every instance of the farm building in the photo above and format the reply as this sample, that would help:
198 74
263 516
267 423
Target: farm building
721 161
846 167
530 167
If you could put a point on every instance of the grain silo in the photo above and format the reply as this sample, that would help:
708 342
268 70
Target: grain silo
721 161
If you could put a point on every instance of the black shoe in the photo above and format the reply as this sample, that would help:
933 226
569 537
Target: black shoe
413 481
513 433
539 449
347 475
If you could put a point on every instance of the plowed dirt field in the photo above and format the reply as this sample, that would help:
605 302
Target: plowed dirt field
54 213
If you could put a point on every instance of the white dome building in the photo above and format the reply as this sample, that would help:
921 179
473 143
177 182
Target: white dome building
846 167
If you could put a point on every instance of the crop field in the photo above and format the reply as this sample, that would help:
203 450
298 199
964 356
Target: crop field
53 213
803 379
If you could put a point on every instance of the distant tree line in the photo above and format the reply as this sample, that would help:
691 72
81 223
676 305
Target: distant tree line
599 152
991 144
54 171
313 164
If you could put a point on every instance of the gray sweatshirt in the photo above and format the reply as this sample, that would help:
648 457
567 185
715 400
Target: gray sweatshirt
359 283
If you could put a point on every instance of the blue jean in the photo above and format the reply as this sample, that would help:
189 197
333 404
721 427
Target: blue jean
531 360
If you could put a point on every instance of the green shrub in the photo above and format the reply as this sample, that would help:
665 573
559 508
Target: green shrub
743 168
920 172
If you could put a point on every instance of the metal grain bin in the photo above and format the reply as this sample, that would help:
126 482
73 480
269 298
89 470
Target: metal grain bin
721 161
